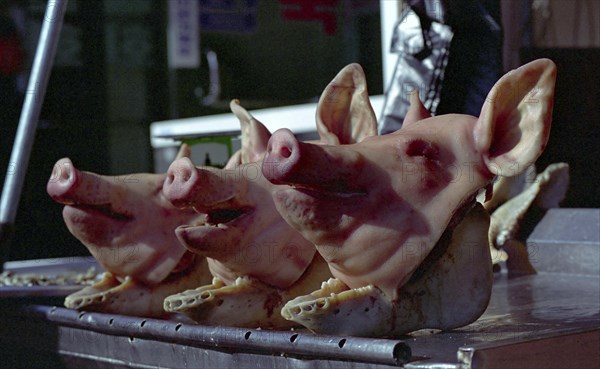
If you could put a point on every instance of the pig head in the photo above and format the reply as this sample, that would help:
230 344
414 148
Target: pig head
254 255
377 208
128 226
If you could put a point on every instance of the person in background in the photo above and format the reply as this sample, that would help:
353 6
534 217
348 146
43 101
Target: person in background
475 60
450 51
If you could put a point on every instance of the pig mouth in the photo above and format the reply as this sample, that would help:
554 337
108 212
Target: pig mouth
104 210
221 217
217 226
224 216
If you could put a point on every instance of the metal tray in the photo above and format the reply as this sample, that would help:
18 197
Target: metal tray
50 268
547 320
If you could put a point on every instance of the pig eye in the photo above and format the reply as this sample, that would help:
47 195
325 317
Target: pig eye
422 148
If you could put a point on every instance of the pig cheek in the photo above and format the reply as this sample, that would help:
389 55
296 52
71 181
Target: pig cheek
298 213
319 222
103 241
280 243
89 229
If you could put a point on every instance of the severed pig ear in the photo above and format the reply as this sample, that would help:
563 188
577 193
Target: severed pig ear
344 112
416 111
184 151
514 125
255 135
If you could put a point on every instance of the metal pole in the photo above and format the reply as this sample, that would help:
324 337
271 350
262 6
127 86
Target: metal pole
30 113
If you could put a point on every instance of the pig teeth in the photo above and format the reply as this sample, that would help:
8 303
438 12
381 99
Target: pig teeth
218 225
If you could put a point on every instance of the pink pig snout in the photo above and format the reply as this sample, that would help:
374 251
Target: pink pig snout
69 186
187 185
63 181
283 155
320 167
182 182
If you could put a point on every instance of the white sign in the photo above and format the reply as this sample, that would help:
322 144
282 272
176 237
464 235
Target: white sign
183 36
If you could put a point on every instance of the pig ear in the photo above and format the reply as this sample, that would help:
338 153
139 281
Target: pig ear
416 111
234 161
514 125
254 134
184 151
344 112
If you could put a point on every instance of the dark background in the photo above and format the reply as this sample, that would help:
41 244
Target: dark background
575 133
